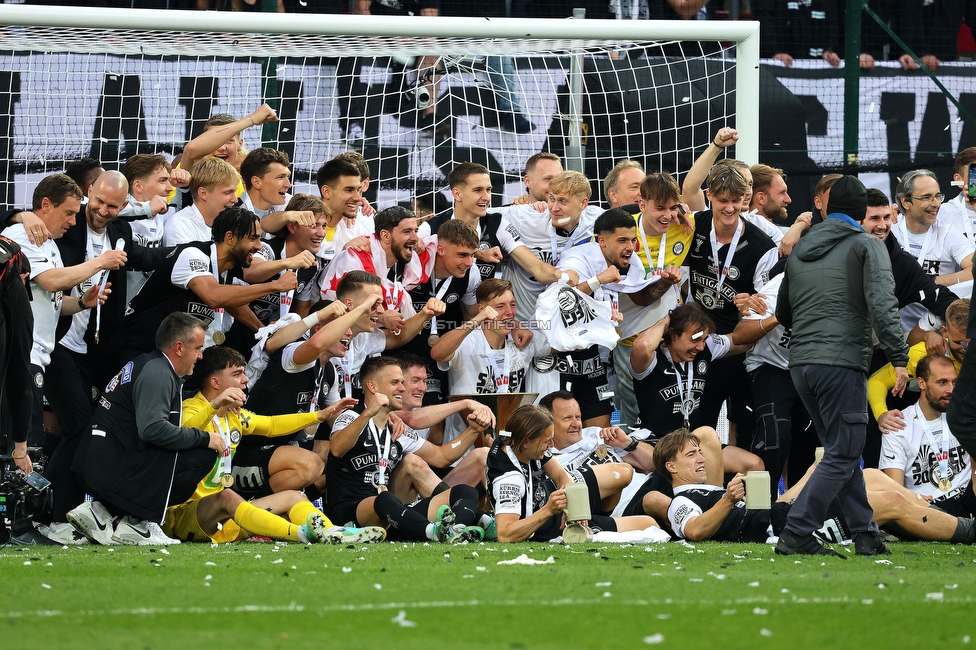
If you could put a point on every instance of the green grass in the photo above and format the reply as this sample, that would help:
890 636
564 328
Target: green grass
597 596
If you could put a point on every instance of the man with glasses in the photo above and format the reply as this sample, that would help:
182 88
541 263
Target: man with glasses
941 249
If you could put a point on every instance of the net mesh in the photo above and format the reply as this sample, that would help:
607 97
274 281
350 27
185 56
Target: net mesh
107 94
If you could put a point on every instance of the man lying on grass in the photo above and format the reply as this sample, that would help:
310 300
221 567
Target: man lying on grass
702 511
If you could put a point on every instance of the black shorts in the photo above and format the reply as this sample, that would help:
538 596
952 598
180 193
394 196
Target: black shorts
250 470
963 505
344 513
586 379
656 482
585 475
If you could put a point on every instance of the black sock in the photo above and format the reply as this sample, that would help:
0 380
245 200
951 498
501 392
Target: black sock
965 534
441 487
313 492
464 503
405 524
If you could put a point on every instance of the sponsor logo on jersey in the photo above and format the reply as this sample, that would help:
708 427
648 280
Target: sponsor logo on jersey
199 266
733 273
126 375
200 310
702 367
572 309
678 248
509 494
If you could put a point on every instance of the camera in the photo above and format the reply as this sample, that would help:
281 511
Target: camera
23 498
419 94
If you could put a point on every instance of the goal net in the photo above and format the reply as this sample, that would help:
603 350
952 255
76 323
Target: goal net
415 96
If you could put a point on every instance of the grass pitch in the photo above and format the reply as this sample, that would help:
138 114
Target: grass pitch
395 596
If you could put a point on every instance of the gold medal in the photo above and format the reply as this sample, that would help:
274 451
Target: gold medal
219 337
227 480
380 489
601 451
945 484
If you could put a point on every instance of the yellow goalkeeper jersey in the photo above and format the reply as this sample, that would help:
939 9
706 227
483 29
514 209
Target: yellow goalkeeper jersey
881 382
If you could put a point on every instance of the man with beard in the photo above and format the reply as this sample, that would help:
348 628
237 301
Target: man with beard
194 278
769 194
391 250
924 455
294 250
610 267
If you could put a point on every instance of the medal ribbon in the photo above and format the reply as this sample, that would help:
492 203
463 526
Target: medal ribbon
655 270
286 297
939 450
501 376
218 319
346 362
382 453
445 283
720 273
682 389
557 252
223 428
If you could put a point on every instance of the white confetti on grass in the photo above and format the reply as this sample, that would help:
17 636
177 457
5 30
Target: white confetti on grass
935 595
278 561
377 586
46 586
766 632
401 620
759 611
209 577
753 584
654 639
209 564
347 569
604 584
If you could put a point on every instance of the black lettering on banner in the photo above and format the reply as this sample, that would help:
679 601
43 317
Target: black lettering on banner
197 96
934 138
897 111
816 115
119 115
9 95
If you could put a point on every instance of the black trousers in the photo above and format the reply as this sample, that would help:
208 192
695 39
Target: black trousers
728 380
783 427
70 393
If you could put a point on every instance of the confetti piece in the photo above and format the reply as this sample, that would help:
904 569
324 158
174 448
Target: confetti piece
935 595
377 586
164 551
604 584
728 612
401 620
867 601
759 611
480 568
346 569
27 562
208 577
257 557
663 617
654 639
765 632
882 561
607 594
753 584
209 564
45 586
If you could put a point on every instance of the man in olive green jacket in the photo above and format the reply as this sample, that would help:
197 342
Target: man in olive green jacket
838 287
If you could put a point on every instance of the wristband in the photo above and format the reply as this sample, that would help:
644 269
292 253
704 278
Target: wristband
81 304
252 120
763 327
311 320
593 283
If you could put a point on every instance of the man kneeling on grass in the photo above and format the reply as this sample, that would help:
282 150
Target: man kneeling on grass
700 511
219 514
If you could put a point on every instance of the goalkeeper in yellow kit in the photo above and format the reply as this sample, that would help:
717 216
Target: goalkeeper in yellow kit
218 514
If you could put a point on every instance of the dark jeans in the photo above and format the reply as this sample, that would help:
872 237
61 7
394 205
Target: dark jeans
836 399
728 380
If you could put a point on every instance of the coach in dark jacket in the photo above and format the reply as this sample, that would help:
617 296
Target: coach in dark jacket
137 459
838 287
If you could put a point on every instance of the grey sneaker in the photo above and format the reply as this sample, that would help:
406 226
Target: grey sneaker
64 534
136 532
93 520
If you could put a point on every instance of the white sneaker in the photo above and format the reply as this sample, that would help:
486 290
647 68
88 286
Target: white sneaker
93 520
63 533
136 532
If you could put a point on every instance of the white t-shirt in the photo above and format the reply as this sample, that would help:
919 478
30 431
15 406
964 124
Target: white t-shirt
247 204
945 250
186 225
147 231
45 305
361 347
772 349
538 235
74 339
959 214
773 231
910 451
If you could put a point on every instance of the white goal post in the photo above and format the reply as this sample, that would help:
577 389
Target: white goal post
107 83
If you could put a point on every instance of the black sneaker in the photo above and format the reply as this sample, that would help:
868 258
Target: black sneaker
790 544
868 544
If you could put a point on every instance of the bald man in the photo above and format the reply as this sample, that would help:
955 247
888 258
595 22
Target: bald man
86 343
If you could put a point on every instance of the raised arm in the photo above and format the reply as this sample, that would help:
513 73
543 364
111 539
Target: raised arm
691 187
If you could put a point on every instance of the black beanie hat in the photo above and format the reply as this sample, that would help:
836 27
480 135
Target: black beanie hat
848 196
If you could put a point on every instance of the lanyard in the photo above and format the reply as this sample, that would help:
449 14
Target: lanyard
119 245
346 362
218 319
941 454
926 242
392 289
527 474
720 273
284 301
445 283
382 453
501 377
223 427
319 378
684 392
652 270
557 252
